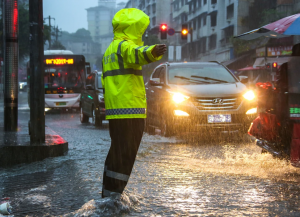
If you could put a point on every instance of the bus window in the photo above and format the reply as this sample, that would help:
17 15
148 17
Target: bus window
63 76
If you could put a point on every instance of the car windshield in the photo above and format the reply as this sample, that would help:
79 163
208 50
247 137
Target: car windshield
197 74
99 82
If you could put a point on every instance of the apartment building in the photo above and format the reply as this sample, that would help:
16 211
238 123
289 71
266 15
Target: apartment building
213 24
99 22
159 11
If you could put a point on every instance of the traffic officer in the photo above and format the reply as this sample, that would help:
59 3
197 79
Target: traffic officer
124 94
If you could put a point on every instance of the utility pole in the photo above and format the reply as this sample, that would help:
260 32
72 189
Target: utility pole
49 19
37 89
57 31
11 63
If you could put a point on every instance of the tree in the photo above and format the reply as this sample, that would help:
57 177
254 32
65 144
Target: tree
56 45
81 35
271 15
261 12
257 11
23 31
151 40
47 33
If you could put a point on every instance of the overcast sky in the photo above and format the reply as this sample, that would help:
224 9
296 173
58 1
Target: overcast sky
69 15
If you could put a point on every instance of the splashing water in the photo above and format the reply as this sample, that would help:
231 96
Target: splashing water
109 206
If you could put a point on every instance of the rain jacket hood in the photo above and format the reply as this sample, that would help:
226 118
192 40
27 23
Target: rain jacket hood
130 24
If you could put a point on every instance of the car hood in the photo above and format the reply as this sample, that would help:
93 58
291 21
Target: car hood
210 90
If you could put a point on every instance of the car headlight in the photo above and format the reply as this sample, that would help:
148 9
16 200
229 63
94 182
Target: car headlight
21 85
251 111
179 98
249 95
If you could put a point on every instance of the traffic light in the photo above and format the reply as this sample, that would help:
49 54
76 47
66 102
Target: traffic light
274 66
163 31
184 31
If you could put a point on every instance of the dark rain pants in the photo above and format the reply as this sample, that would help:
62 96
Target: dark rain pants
126 135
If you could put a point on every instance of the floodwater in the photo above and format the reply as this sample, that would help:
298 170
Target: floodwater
182 176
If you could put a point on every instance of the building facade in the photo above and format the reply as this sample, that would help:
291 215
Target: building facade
212 24
158 11
99 20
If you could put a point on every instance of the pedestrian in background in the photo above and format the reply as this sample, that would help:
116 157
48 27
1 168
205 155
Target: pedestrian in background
124 94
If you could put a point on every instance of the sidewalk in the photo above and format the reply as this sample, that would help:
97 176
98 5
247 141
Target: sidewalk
15 147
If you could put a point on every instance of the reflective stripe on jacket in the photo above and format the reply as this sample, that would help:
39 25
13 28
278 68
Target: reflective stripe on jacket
122 79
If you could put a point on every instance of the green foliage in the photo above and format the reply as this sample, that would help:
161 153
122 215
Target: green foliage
23 31
261 12
151 40
241 46
257 12
56 45
270 16
81 35
47 33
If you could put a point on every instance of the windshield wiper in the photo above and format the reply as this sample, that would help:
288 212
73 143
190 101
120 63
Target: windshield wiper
192 80
208 78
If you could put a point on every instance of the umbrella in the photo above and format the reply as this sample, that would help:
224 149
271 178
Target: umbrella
281 28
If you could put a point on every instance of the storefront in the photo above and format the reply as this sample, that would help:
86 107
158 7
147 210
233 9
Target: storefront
266 56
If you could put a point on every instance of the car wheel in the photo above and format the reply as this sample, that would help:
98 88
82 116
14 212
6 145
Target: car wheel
166 128
83 118
95 120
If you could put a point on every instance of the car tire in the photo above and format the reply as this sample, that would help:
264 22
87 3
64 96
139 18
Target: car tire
167 128
83 117
96 120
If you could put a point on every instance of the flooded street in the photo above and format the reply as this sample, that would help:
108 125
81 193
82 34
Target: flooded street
182 176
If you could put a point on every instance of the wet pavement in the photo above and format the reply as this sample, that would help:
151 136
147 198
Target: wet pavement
184 176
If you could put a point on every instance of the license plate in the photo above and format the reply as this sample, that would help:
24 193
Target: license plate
61 103
218 118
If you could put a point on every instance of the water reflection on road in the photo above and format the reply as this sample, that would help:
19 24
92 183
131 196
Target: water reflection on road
183 176
214 179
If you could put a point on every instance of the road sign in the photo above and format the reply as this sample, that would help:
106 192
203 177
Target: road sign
171 31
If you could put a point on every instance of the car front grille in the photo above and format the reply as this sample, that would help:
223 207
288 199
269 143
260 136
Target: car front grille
209 104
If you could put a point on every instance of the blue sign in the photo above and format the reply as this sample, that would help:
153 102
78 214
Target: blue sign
171 31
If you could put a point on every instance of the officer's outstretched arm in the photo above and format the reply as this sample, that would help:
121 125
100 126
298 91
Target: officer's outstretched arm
139 55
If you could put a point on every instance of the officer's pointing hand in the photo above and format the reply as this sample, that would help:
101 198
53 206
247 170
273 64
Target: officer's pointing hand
159 50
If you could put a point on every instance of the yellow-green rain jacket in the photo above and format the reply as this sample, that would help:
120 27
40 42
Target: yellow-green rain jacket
122 80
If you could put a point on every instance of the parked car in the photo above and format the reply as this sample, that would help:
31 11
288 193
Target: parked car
92 100
197 95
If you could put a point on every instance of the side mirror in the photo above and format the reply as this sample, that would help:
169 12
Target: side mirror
155 82
244 79
89 87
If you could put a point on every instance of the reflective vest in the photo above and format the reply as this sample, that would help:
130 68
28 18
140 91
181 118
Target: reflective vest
122 79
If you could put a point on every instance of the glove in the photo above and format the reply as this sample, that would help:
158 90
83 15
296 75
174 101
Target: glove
159 50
